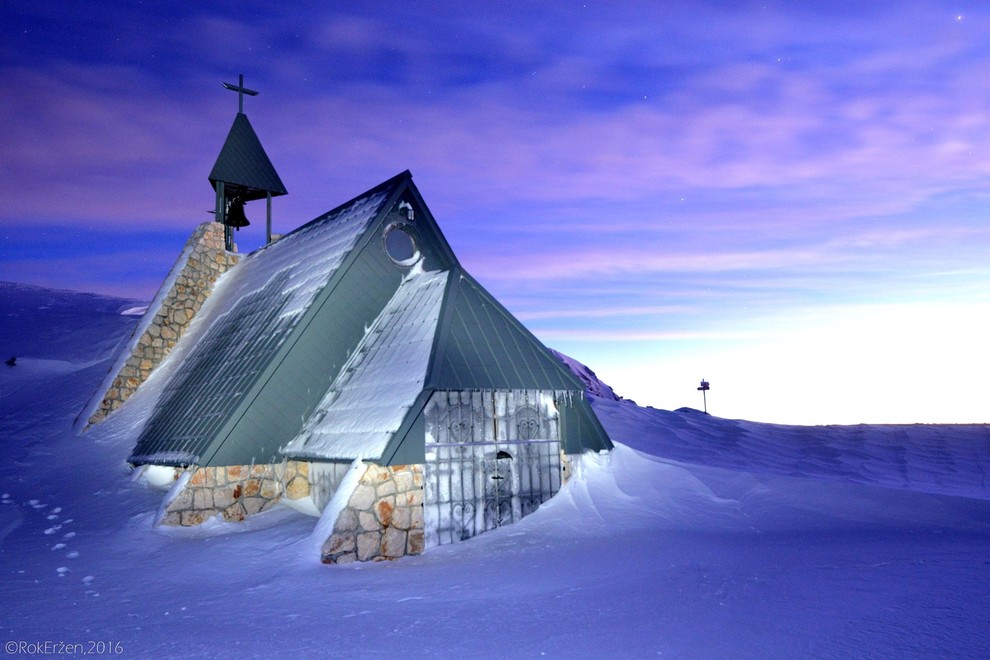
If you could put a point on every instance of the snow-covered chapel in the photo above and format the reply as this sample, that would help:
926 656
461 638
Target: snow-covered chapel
351 369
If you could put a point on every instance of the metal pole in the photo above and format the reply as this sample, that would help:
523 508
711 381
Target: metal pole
268 229
703 388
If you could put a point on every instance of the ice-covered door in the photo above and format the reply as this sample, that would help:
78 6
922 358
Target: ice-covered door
492 457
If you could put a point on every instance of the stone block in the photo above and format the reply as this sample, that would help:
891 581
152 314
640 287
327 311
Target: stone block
413 497
223 497
363 497
346 559
251 488
233 472
338 543
297 489
193 518
403 481
198 478
270 489
383 510
369 544
253 505
202 499
346 522
215 476
369 522
234 513
172 519
184 500
416 542
394 542
402 517
374 474
417 477
416 518
385 488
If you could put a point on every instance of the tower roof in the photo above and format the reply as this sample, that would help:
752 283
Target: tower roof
243 166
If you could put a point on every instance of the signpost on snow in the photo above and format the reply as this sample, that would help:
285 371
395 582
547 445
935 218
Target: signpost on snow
703 388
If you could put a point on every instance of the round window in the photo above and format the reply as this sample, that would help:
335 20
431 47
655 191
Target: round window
400 245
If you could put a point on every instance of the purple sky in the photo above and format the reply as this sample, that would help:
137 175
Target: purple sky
789 200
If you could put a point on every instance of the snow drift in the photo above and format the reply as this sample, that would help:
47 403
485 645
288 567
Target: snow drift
696 537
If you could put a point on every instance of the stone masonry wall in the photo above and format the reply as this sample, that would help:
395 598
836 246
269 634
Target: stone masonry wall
207 261
383 518
235 492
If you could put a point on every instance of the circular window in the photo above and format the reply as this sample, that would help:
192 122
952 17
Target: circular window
400 245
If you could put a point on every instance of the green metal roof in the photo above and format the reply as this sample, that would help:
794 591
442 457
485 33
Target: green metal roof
243 166
286 348
480 345
251 326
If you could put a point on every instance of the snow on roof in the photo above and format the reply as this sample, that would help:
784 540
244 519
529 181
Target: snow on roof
309 256
370 398
254 307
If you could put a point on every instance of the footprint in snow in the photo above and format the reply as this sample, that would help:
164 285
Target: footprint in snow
58 546
62 570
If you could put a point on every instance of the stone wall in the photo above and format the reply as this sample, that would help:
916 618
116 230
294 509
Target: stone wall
207 260
383 518
235 492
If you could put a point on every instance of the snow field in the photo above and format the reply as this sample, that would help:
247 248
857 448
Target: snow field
695 537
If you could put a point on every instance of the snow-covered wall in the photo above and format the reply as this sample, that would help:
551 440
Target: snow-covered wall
183 292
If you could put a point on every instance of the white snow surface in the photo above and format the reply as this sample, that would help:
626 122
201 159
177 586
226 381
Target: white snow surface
696 537
308 256
377 386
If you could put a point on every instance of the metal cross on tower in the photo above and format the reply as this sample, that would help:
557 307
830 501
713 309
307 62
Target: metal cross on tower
241 91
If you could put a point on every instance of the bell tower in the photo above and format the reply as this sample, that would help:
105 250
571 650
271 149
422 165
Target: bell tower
243 172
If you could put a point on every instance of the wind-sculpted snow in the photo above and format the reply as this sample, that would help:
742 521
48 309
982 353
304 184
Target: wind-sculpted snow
696 537
592 383
946 459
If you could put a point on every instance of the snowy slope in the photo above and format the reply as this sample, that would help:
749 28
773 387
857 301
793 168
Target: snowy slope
696 537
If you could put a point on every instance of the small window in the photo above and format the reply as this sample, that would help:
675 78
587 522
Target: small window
400 245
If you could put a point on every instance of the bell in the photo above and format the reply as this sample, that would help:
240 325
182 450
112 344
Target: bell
235 214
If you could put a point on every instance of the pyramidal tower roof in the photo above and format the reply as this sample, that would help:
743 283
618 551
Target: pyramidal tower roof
243 163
